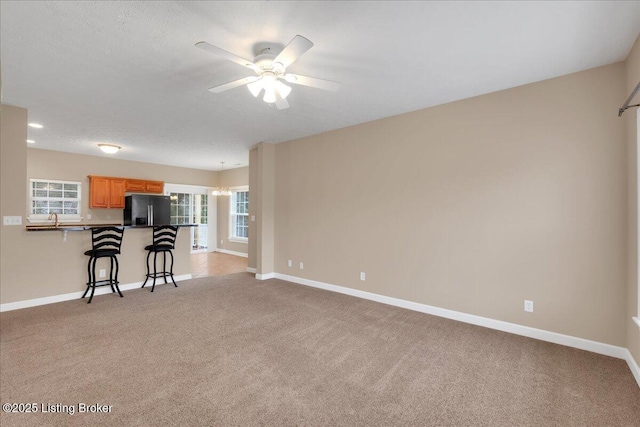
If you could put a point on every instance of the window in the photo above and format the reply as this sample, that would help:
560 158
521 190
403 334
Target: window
180 208
54 197
239 215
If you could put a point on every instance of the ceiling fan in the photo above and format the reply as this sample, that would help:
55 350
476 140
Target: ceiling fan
271 70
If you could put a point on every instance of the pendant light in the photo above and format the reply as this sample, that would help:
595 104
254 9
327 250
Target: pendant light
221 191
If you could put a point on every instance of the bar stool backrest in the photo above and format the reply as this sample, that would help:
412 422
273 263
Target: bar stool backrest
164 236
107 238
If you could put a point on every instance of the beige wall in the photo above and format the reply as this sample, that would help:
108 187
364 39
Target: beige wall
473 206
41 264
13 195
230 178
76 167
253 210
265 209
630 118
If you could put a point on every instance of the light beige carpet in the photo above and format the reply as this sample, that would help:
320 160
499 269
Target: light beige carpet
232 350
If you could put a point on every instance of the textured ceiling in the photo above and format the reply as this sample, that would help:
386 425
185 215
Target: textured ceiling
128 72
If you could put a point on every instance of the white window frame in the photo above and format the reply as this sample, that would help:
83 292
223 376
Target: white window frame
232 214
40 218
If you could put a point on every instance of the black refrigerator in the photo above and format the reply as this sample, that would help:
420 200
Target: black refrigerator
146 209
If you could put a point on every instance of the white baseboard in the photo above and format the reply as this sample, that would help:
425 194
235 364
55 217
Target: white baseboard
266 276
540 334
77 295
224 251
251 270
635 369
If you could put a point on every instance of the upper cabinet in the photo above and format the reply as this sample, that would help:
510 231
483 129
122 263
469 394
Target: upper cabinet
108 192
116 193
135 185
99 191
156 187
142 186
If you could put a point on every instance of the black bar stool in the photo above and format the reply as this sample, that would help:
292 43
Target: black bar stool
164 240
106 242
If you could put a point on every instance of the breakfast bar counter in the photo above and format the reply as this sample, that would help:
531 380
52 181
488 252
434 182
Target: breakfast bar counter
72 240
83 227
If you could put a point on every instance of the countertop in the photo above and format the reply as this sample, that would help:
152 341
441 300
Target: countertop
82 227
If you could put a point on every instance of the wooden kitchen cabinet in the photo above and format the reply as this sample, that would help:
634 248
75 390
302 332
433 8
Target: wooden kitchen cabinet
116 193
99 190
144 186
135 186
108 192
154 187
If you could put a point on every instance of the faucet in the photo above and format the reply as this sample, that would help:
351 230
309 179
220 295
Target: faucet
55 217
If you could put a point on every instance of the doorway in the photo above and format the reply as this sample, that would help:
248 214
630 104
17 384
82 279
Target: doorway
193 205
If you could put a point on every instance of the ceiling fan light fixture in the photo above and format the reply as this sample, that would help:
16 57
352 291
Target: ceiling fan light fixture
255 87
269 96
269 81
283 89
271 70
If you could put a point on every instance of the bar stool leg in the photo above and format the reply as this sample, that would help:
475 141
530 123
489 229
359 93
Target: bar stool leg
111 274
93 283
171 269
89 279
155 255
164 266
147 278
115 258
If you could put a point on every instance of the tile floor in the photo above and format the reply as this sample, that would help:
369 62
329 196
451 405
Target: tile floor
216 264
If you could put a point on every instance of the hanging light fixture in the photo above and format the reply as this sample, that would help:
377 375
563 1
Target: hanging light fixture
221 191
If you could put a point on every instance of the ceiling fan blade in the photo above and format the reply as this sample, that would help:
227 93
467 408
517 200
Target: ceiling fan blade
235 83
281 103
312 82
293 50
226 55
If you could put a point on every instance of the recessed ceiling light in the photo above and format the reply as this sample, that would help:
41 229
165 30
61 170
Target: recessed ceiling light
31 141
109 148
35 125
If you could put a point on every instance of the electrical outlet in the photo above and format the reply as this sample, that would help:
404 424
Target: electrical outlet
103 273
222 242
362 276
301 266
528 306
253 218
289 263
11 220
88 216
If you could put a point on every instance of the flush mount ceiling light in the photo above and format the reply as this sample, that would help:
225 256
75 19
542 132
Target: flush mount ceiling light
270 70
36 125
109 148
30 141
221 191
